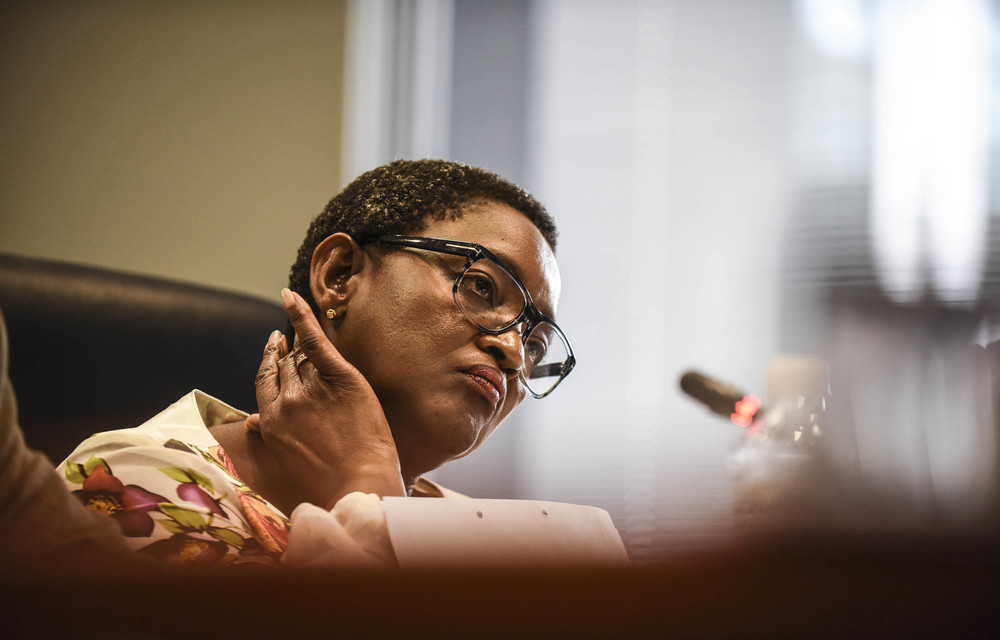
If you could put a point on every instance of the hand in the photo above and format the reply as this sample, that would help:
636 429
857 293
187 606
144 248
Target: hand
320 419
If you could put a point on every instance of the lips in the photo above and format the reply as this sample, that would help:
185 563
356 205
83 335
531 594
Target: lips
491 382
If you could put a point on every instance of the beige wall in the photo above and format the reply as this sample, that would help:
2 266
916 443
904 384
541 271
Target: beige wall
193 140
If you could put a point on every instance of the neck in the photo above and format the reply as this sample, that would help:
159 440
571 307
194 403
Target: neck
260 471
412 464
255 465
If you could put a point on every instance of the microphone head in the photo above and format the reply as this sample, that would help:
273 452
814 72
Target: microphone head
721 399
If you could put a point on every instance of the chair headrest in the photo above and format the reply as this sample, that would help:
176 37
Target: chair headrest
93 349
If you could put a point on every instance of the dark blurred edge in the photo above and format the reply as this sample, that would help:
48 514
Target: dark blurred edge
93 349
835 588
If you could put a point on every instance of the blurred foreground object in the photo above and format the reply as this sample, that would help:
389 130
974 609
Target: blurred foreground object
778 468
45 534
915 439
897 436
915 588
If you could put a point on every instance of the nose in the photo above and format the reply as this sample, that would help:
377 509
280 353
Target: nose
506 347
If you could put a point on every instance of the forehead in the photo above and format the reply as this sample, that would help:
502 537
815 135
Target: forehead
513 238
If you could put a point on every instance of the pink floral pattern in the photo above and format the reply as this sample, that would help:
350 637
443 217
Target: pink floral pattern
216 520
129 505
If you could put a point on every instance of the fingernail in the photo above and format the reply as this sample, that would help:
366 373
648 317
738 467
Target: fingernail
273 340
246 422
286 297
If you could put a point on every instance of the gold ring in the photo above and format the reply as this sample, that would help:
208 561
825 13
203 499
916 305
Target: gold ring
299 359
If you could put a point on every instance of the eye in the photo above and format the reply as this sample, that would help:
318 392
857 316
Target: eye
534 349
480 285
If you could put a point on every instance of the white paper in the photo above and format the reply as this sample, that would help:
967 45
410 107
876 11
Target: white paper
469 532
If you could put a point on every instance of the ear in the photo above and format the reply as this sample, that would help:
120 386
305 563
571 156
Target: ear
332 275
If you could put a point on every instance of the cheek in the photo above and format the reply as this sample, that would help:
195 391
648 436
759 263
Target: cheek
421 324
409 330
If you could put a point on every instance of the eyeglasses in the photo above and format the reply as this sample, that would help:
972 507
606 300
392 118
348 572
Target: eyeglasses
496 301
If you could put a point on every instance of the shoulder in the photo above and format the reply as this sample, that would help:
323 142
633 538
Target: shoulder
171 489
186 420
424 488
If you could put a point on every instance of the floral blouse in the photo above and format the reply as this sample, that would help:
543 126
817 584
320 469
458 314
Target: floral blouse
174 492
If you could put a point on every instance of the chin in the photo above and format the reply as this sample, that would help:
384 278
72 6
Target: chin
433 442
473 433
482 435
463 440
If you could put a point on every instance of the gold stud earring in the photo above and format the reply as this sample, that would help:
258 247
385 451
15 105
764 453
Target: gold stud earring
331 313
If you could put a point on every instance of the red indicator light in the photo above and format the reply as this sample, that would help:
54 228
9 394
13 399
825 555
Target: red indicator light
746 409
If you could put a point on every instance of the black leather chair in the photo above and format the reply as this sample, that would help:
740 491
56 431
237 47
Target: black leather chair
93 349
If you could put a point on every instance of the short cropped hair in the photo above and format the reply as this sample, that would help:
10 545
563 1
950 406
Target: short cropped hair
401 198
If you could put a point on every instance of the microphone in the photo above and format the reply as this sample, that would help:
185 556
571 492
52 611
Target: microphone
722 399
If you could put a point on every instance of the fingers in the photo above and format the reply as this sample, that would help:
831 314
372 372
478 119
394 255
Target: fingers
267 382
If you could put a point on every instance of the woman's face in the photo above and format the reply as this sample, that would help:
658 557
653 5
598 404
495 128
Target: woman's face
444 384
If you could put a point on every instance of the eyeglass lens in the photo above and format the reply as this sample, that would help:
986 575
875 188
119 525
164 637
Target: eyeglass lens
492 299
549 362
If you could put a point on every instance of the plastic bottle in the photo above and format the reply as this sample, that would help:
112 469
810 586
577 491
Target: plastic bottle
777 467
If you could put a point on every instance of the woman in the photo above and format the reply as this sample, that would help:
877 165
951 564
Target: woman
421 305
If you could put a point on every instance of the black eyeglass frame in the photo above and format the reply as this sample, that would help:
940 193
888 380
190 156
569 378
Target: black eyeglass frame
530 314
